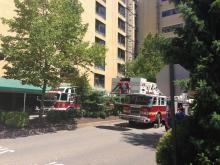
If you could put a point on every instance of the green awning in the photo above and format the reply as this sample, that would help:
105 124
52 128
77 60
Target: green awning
16 86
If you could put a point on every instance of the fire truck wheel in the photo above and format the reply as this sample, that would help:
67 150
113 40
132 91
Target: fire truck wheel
158 119
131 123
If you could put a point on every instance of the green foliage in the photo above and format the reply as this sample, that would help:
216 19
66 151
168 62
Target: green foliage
96 97
197 48
2 117
58 116
103 115
96 104
184 147
184 84
16 119
198 136
150 59
165 150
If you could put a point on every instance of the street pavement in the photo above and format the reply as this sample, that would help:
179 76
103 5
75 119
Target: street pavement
100 144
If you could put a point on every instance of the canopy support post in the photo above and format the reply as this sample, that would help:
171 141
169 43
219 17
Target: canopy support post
24 105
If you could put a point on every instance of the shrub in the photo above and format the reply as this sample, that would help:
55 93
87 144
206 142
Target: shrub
94 114
2 117
16 119
57 116
78 113
118 108
102 115
164 149
184 147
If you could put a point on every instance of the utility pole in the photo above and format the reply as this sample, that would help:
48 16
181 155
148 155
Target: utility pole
172 111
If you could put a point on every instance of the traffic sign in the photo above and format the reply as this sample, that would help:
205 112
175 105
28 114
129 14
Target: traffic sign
163 79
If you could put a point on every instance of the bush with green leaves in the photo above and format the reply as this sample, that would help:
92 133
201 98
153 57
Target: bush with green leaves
58 116
197 48
16 119
184 147
198 136
165 149
102 115
2 117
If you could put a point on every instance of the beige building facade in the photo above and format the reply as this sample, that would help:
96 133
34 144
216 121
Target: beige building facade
112 23
120 25
6 11
156 16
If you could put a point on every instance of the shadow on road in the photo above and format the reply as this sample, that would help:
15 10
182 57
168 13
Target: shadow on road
113 128
136 126
145 139
125 126
36 127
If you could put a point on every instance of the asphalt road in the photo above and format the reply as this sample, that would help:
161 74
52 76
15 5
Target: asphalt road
101 144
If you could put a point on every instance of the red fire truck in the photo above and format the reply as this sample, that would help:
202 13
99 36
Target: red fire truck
144 108
143 101
63 98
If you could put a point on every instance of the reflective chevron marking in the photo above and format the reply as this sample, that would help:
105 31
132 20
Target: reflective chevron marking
4 150
54 163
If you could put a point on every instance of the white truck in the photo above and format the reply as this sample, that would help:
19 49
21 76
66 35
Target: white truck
133 85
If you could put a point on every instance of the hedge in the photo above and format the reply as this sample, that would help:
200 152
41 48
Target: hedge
57 116
15 119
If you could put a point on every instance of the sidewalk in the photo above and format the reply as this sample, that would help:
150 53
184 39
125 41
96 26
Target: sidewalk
47 127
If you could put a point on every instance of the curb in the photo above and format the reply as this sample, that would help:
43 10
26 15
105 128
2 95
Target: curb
7 134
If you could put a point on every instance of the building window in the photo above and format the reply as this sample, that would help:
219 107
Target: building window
100 10
100 27
99 41
100 67
171 28
170 12
121 24
121 39
121 54
121 69
121 9
99 80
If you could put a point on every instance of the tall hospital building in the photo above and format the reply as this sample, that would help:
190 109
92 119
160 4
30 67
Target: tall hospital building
121 25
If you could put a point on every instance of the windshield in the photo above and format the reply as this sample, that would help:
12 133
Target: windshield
51 96
138 99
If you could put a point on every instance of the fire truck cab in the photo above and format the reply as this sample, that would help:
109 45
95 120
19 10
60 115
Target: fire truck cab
144 108
63 98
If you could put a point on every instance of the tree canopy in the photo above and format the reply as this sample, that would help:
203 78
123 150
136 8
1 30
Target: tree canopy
197 47
150 58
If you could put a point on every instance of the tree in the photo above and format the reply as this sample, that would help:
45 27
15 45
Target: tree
47 38
150 59
197 47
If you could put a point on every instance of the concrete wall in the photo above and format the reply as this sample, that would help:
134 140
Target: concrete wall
170 20
147 19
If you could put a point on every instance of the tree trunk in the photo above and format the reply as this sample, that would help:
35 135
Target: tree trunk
42 99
